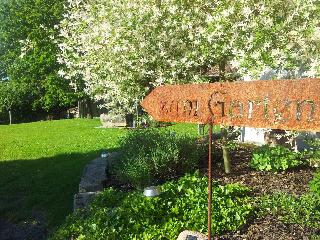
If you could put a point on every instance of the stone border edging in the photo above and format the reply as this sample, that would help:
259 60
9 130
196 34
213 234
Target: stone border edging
92 181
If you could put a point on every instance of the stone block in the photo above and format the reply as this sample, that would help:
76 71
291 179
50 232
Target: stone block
81 200
93 176
110 121
191 235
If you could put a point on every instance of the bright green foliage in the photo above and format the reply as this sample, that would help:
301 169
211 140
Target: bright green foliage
184 128
278 158
11 95
315 184
151 156
41 164
191 128
302 210
182 205
28 52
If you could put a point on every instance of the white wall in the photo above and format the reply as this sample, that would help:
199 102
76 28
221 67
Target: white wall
252 135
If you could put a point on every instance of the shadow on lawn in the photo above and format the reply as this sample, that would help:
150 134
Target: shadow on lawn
41 191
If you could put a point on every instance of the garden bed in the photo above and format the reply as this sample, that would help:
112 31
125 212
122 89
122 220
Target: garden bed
272 221
293 181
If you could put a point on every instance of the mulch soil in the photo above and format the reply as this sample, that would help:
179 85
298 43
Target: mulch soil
295 181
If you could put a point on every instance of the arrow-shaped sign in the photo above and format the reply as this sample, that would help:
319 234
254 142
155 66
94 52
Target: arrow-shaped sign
277 104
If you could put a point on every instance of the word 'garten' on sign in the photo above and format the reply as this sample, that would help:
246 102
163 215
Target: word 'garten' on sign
277 104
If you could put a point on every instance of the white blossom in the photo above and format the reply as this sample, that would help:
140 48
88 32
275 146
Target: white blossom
122 49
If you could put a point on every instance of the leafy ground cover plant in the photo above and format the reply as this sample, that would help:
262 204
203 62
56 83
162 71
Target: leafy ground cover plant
303 210
278 158
151 156
182 205
315 184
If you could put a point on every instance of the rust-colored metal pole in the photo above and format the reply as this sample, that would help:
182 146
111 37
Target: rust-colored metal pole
210 181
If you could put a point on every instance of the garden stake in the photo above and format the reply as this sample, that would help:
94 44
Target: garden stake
210 181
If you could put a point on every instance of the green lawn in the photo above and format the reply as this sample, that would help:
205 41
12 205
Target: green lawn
41 164
190 128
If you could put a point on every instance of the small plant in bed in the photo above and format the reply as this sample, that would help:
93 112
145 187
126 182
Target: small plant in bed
278 158
303 210
315 184
151 156
182 205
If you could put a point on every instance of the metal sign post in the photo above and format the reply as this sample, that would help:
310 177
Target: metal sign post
210 182
275 104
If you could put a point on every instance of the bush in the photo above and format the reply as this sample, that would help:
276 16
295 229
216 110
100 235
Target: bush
315 184
304 210
278 158
182 205
151 156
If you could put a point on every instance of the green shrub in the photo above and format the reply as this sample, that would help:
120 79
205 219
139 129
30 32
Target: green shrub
181 205
278 158
315 184
151 156
304 210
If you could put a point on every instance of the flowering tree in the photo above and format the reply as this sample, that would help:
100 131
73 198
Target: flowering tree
123 49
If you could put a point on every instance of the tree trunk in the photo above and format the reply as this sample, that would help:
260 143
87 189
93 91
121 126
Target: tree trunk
89 108
79 110
10 117
222 71
225 150
224 131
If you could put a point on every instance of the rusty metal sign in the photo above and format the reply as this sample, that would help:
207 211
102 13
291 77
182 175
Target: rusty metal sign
277 104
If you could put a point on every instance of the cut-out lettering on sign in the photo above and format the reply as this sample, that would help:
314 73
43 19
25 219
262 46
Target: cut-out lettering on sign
277 104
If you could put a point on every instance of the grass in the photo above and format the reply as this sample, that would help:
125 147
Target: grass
41 164
190 128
